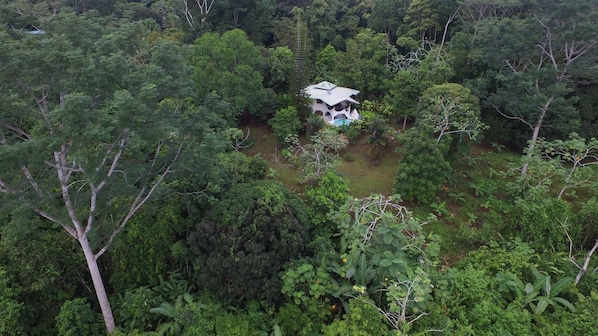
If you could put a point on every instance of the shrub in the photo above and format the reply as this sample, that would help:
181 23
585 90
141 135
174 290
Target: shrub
286 122
539 223
77 318
246 240
313 124
422 167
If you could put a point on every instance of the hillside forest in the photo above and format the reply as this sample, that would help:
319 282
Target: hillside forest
162 172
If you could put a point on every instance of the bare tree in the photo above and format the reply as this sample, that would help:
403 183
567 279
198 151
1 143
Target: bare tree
204 7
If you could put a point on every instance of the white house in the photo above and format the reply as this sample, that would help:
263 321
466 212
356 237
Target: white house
336 104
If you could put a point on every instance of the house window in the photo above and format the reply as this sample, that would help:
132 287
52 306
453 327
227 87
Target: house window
319 101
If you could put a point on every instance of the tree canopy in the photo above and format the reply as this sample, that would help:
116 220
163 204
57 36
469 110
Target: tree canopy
173 138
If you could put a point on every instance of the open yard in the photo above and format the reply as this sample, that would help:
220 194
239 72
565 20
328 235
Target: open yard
365 175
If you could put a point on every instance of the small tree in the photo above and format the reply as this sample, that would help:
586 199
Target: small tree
285 124
320 156
77 318
399 253
450 109
422 166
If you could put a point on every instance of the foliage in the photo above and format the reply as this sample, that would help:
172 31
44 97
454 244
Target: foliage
422 167
324 63
229 64
570 159
511 256
581 322
296 320
32 271
313 124
320 157
285 124
414 73
450 109
133 311
280 72
362 319
144 249
180 313
246 240
586 219
467 300
539 222
305 283
242 168
538 295
398 252
362 65
328 195
232 325
77 318
9 304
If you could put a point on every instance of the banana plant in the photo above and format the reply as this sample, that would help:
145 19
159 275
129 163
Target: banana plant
538 295
177 314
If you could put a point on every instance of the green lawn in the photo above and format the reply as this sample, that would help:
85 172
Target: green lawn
460 203
365 176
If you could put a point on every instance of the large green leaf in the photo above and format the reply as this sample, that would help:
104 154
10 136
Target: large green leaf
541 307
388 238
565 303
560 285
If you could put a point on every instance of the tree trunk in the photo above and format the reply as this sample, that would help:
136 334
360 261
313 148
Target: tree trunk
532 143
584 268
98 283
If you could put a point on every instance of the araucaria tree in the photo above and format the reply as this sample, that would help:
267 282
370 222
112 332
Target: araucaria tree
90 128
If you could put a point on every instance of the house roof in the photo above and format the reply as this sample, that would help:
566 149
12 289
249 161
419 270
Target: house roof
330 93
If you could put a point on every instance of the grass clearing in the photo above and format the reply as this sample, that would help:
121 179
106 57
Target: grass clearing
460 205
365 176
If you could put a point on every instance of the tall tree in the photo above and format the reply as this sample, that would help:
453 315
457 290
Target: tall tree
91 130
540 59
364 64
246 240
450 110
229 64
387 16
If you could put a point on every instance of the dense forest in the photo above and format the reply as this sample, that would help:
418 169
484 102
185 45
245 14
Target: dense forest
134 200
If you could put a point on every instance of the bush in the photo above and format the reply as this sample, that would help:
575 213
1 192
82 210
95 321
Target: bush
329 194
77 318
243 168
285 123
246 240
313 124
362 319
539 223
422 167
134 310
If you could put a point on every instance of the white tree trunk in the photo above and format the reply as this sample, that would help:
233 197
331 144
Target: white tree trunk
98 283
536 133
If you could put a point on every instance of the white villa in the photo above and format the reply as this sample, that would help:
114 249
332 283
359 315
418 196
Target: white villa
334 103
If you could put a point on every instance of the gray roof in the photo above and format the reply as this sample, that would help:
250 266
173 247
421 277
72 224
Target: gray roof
330 93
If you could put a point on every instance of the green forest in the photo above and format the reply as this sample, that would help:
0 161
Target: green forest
162 171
